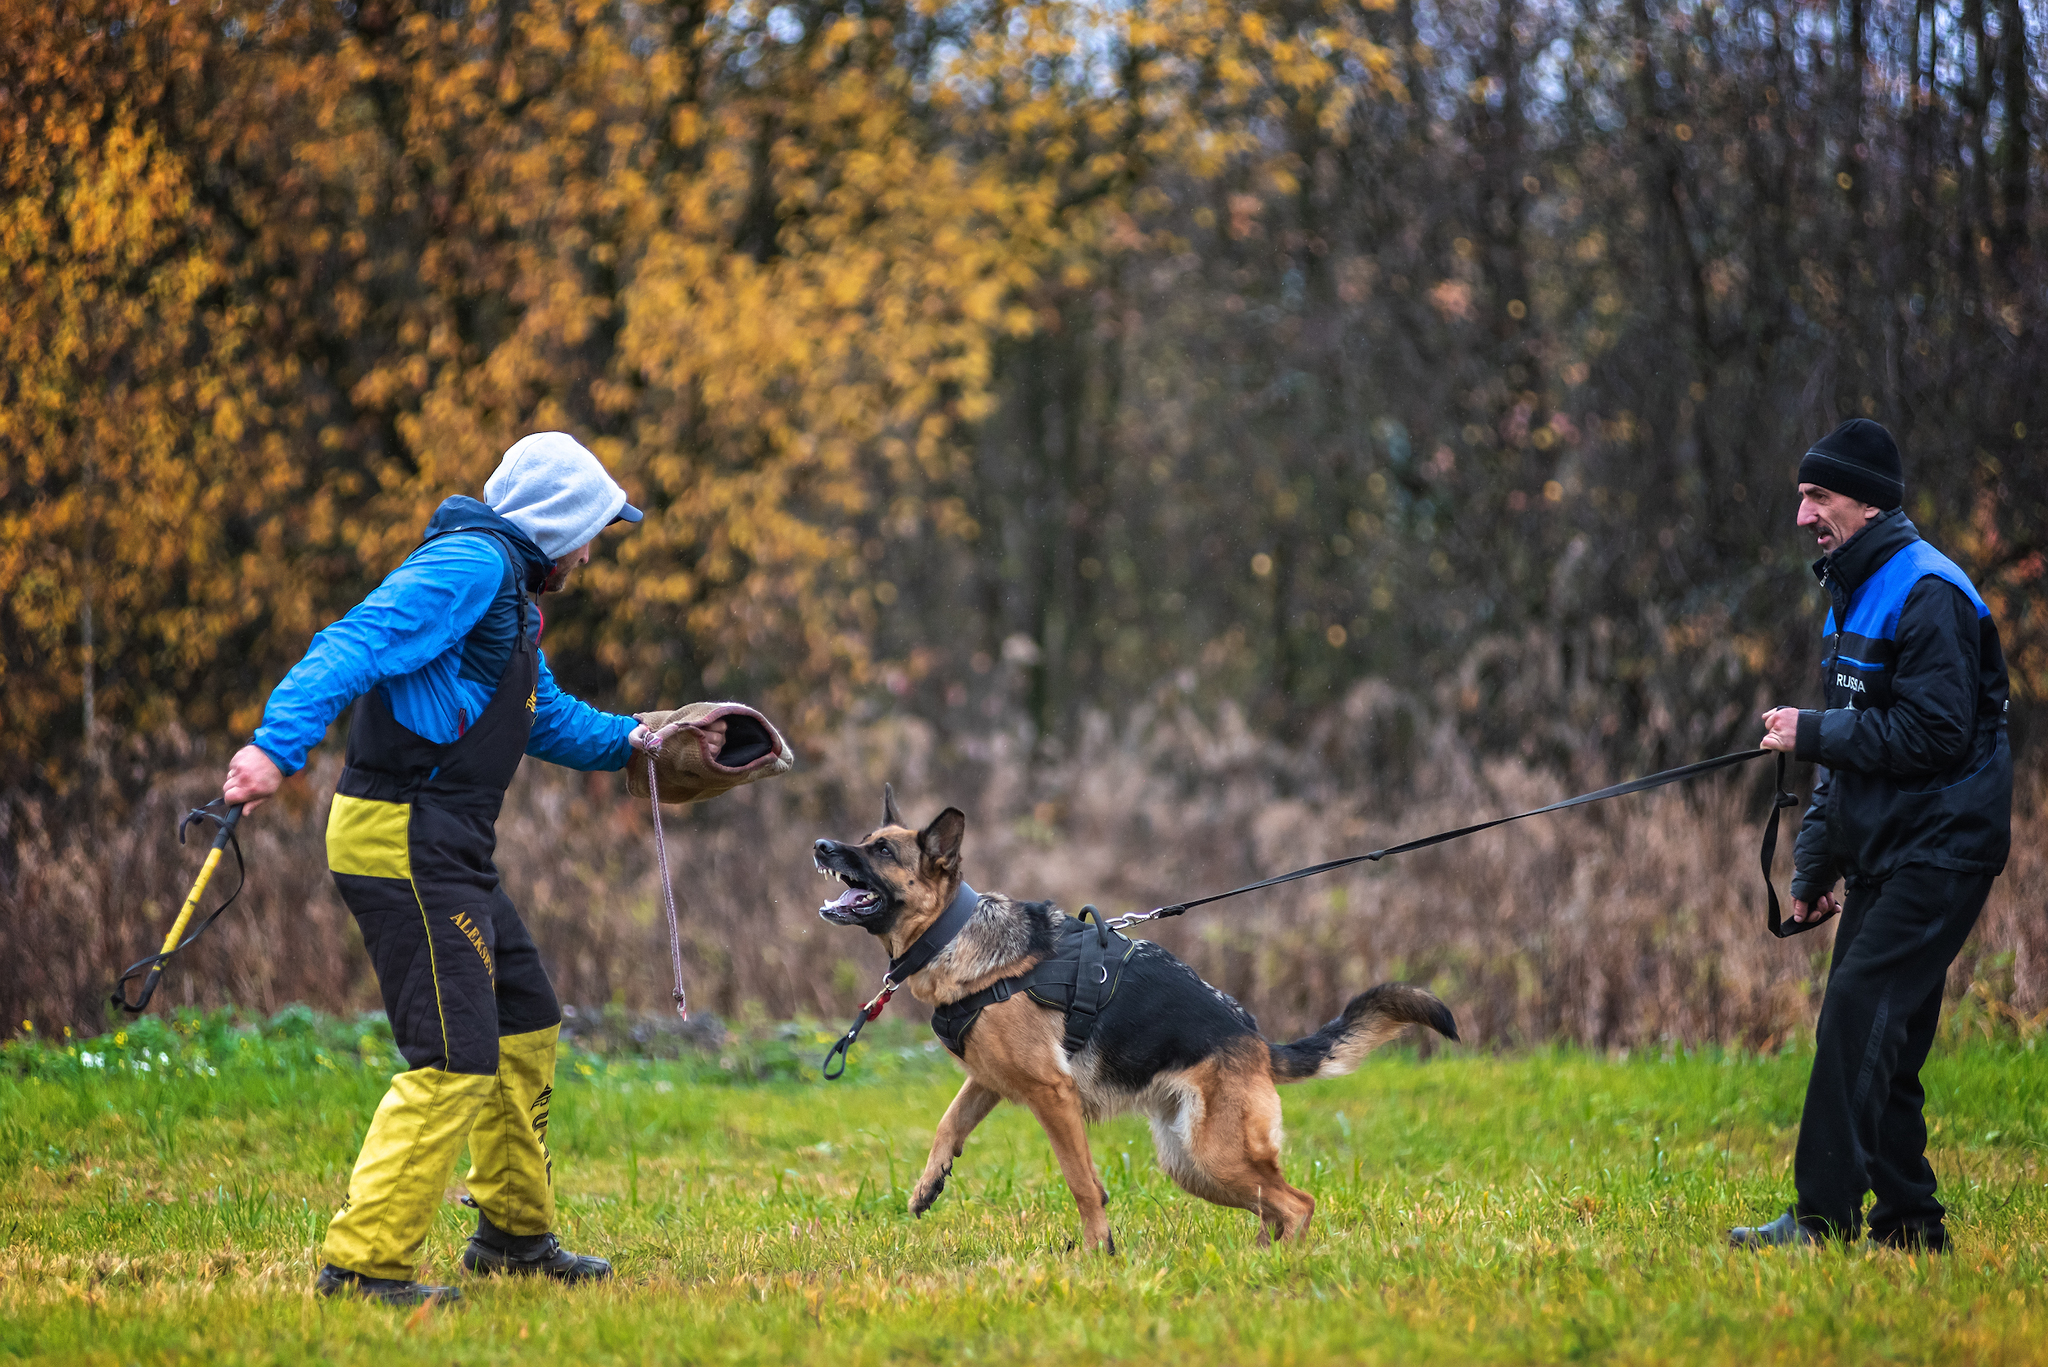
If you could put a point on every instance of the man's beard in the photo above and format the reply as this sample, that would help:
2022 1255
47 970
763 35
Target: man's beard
557 579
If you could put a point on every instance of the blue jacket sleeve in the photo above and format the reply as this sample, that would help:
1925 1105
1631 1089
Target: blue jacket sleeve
422 609
570 732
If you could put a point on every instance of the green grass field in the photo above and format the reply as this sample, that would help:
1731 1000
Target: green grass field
1472 1208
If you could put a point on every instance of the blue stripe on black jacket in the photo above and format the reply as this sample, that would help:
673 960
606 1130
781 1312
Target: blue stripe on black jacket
1916 766
433 638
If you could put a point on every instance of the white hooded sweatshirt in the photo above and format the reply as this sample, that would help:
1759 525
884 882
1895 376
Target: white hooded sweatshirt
557 492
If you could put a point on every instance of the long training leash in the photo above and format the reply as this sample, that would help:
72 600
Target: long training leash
941 933
1779 803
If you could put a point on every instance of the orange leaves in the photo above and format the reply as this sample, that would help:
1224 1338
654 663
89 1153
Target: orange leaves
280 276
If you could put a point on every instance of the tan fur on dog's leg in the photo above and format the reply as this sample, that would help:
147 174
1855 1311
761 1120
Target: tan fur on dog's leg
969 1109
1234 1147
1058 1109
1015 1050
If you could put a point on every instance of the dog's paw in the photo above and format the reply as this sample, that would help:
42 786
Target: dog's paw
926 1195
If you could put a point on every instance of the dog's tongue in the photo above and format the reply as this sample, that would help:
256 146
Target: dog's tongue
849 899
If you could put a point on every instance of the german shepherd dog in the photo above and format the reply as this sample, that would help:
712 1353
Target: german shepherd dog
1166 1043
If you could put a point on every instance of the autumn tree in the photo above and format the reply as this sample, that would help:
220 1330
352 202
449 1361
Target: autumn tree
1014 362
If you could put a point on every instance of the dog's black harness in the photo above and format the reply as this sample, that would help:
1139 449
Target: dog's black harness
1078 977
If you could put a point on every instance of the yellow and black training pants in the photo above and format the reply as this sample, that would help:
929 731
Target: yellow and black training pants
472 1012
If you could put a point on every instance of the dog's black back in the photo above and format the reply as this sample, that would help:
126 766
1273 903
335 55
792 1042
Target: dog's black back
1163 1018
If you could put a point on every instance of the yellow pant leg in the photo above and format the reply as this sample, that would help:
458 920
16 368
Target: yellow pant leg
401 1176
511 1176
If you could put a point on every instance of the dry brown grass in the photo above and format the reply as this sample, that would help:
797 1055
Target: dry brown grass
1617 926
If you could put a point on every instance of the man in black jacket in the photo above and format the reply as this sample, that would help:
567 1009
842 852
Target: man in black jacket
1913 807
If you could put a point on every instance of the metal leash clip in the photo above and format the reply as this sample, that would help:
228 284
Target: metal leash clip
860 1022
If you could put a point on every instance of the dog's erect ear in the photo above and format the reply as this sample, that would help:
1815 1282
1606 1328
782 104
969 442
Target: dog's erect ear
890 816
940 841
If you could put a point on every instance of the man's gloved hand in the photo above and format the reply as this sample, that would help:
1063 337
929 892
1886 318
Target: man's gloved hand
706 749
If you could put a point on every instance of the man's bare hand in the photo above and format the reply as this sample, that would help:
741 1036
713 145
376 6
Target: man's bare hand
252 777
711 738
1782 729
714 739
1822 907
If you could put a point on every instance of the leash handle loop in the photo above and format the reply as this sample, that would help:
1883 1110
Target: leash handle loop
1784 930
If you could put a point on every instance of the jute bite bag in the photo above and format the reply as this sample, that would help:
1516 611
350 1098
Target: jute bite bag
753 750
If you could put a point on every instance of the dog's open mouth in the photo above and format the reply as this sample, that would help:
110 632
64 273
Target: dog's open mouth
857 903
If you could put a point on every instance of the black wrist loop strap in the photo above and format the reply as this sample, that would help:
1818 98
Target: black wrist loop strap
1781 929
835 1061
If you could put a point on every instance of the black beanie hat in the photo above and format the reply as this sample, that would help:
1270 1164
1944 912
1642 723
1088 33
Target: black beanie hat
1858 459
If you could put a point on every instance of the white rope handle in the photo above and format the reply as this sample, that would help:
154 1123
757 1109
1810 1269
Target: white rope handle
668 891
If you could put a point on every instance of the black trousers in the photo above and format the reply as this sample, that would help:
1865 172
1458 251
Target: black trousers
456 976
1862 1130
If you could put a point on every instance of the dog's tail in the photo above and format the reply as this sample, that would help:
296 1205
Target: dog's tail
1371 1019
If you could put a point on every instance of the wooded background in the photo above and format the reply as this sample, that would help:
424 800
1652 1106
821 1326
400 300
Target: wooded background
1400 375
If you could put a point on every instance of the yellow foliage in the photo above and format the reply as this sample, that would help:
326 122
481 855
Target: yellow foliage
280 277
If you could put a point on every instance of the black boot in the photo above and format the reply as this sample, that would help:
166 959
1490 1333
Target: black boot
493 1250
1784 1231
339 1281
1913 1238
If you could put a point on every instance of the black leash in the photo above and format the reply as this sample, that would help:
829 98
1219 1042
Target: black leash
151 969
1634 785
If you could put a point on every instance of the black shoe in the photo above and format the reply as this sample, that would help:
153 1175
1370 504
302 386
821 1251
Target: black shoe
1913 1238
1781 1232
339 1281
493 1250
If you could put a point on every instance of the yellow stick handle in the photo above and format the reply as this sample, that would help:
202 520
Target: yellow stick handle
192 899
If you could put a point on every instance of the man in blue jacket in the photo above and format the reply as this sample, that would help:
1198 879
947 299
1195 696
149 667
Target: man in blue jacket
443 663
1913 808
